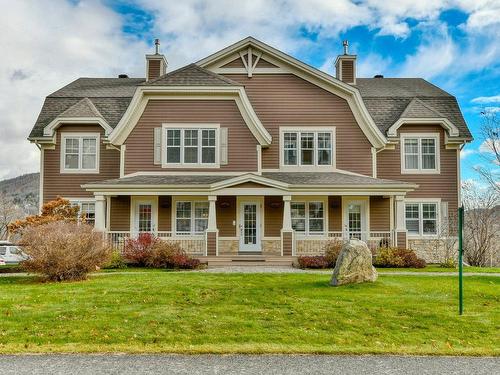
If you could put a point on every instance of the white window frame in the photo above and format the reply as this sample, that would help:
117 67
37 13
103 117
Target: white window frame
315 167
80 136
182 127
420 202
79 202
419 137
192 232
306 202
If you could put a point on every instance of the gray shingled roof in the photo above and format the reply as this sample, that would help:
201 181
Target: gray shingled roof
192 75
291 178
387 99
84 108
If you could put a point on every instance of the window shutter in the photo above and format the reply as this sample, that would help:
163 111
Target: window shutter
444 210
223 146
445 229
157 145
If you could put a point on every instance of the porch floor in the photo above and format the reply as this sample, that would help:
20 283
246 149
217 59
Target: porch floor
247 260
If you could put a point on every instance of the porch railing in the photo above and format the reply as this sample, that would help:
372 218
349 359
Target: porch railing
190 244
315 244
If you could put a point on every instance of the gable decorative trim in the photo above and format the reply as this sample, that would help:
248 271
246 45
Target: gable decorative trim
145 93
49 130
288 64
445 123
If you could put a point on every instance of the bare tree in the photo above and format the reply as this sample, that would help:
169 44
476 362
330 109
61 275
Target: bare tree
8 213
481 238
490 147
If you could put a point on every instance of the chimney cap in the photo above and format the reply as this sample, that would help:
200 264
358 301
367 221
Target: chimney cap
378 76
345 44
157 46
122 76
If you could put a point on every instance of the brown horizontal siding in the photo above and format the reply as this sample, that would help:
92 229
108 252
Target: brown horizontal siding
263 63
348 71
401 240
164 213
226 215
236 63
120 213
68 184
211 243
287 100
287 243
242 151
380 211
273 216
154 68
335 213
443 185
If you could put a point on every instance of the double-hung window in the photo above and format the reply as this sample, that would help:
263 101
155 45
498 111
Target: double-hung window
80 153
191 217
308 217
191 147
421 218
419 153
86 211
307 148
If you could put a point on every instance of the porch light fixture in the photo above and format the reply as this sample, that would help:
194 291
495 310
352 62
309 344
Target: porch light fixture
225 204
275 204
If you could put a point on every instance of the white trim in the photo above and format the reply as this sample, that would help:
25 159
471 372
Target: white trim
421 201
80 136
42 173
190 126
258 223
419 137
310 74
248 177
259 159
445 123
145 93
49 130
123 149
374 162
306 129
134 201
248 198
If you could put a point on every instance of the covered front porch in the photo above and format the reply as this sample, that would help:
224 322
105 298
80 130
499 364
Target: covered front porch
250 217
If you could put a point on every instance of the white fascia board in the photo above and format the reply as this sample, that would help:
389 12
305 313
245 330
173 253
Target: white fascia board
445 123
250 177
146 93
49 130
315 76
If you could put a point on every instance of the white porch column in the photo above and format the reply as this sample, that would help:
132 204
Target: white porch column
287 213
100 213
212 214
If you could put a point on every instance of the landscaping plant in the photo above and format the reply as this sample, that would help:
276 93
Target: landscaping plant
332 250
63 250
170 255
312 261
138 250
392 257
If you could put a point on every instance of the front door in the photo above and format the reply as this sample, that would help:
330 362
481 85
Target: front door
250 226
355 220
144 219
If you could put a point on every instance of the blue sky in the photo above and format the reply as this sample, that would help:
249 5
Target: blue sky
452 43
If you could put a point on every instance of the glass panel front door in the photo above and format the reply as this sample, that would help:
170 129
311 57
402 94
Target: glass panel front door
144 216
249 227
354 218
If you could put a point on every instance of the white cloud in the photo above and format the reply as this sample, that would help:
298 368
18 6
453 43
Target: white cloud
486 99
466 152
45 45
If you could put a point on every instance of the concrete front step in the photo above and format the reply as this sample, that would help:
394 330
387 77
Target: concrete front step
247 260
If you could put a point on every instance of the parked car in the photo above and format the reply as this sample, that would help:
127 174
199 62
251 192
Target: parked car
2 262
10 253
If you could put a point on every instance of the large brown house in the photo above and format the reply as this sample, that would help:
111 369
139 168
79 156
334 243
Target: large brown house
250 154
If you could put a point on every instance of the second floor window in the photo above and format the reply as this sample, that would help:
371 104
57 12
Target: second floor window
196 147
80 153
420 154
307 148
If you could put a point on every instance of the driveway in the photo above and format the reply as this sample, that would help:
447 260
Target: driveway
245 364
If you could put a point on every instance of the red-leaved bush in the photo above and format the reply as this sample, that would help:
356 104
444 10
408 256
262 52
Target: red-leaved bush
315 261
63 250
138 250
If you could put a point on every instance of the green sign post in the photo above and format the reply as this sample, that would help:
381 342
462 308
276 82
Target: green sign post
460 260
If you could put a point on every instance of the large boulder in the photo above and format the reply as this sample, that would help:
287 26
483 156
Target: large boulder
354 264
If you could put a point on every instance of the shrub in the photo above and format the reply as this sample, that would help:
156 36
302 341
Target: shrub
391 257
316 261
116 261
448 263
63 250
170 255
332 250
138 250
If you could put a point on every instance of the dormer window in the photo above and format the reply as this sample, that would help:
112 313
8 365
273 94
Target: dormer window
79 152
311 148
419 153
191 146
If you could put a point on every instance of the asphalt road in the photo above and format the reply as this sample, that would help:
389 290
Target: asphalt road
245 364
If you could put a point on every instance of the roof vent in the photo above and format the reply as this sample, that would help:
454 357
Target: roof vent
122 76
378 76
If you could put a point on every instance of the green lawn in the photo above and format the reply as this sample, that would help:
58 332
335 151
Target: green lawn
436 268
249 313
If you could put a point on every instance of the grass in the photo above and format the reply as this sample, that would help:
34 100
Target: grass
248 313
437 268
